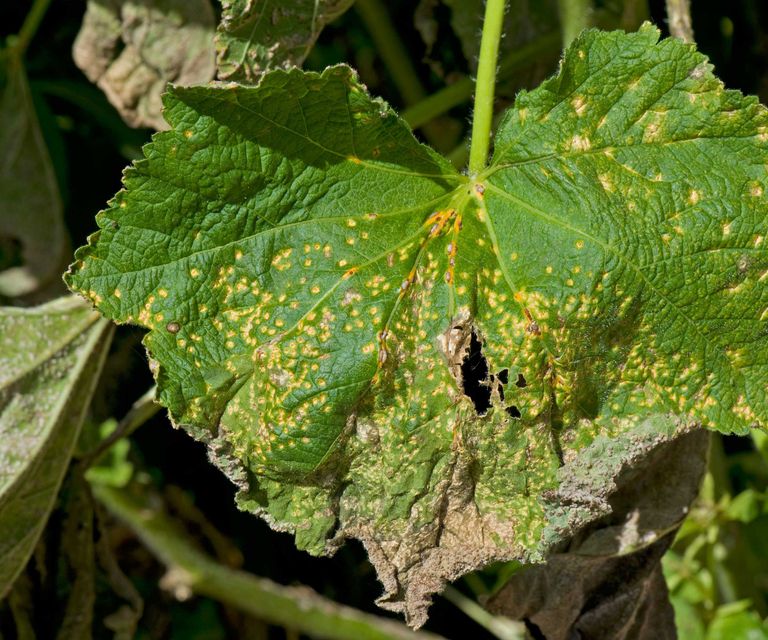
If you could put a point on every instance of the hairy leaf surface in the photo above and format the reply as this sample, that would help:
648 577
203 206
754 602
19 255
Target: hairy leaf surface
51 358
376 346
255 36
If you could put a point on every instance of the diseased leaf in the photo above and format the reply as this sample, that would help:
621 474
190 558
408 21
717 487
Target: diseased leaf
622 502
33 241
376 346
50 359
255 36
132 48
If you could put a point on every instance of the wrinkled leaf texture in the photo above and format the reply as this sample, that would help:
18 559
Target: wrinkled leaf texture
324 294
255 36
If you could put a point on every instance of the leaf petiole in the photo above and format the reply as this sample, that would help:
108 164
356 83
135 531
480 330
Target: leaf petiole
485 85
30 26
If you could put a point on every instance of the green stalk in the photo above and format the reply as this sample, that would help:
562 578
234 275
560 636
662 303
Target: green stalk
393 53
29 28
575 16
397 61
502 628
296 608
460 91
485 85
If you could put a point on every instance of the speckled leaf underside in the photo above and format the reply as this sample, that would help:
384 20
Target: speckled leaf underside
255 36
324 293
51 358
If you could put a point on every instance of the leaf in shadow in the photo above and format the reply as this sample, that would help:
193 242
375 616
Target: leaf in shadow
33 240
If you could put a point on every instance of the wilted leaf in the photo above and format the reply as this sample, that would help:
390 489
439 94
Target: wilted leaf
613 516
31 220
133 48
50 359
255 36
377 346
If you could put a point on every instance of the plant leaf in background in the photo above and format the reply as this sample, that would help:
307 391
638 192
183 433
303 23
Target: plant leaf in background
133 48
29 195
376 346
257 35
524 21
51 359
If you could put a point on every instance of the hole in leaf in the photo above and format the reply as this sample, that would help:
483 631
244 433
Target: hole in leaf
513 411
521 382
503 376
474 376
11 252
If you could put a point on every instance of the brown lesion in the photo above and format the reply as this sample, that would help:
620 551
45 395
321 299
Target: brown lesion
455 342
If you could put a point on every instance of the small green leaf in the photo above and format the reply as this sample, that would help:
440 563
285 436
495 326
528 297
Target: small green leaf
33 241
51 358
114 468
376 346
735 620
746 506
256 36
132 48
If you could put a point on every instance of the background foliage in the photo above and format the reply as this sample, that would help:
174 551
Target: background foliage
718 568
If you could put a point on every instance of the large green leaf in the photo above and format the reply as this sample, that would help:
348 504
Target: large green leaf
50 360
255 36
376 346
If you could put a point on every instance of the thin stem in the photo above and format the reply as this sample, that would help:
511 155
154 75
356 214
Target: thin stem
438 103
679 17
575 16
485 85
502 628
141 411
390 46
460 91
191 570
397 61
29 28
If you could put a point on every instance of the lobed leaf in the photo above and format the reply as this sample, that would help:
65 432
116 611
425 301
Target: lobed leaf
51 358
376 346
